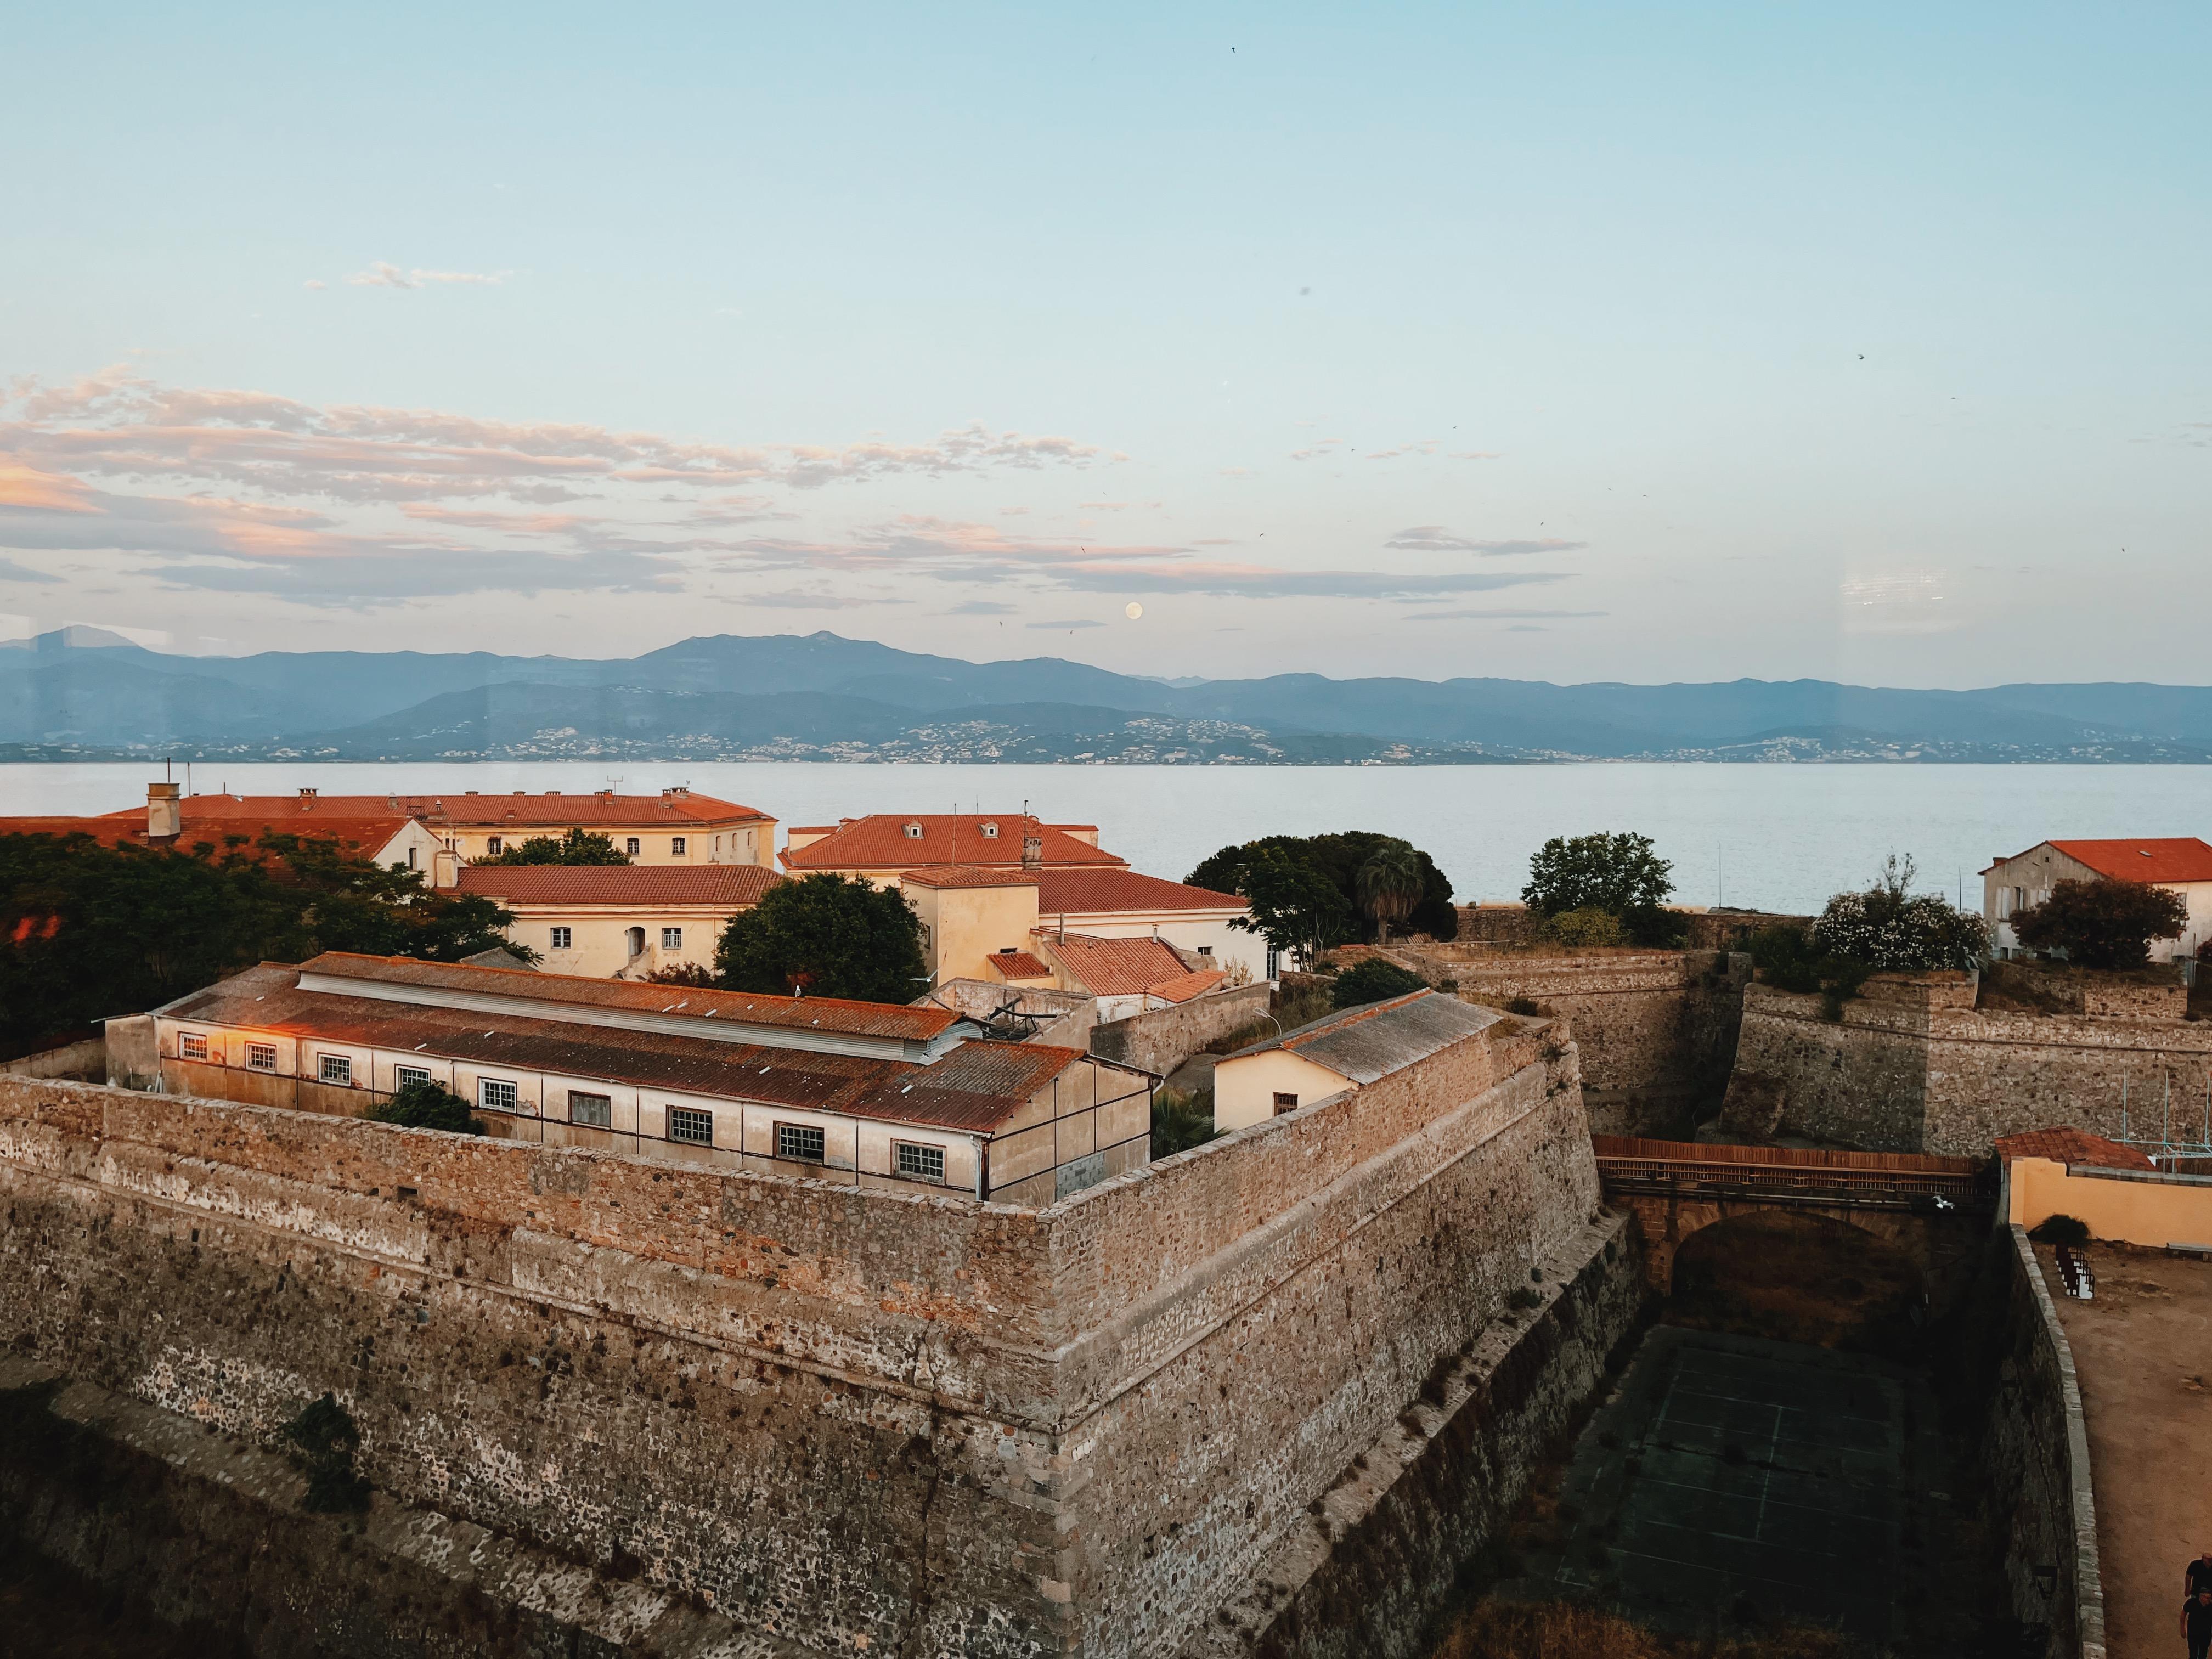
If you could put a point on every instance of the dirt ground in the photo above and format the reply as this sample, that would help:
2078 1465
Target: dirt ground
2142 1351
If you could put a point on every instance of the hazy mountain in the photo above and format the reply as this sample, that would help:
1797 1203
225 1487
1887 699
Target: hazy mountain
85 691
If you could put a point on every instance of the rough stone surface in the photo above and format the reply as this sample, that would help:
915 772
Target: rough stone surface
1904 1071
1161 1040
848 1420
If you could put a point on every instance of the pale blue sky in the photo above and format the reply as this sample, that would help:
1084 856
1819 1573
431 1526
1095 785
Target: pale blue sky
1585 344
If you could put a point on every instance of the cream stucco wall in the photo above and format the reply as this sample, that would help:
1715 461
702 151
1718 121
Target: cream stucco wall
961 927
750 841
2131 1209
598 946
2020 883
1245 1086
1208 935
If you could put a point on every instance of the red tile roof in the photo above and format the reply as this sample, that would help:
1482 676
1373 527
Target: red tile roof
723 886
677 810
967 875
1017 965
1085 892
831 1014
2178 857
881 842
1121 966
367 835
2066 1145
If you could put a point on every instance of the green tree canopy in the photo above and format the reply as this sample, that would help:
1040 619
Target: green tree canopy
88 932
577 847
2103 924
1374 981
1618 874
427 1106
829 936
1389 885
1338 859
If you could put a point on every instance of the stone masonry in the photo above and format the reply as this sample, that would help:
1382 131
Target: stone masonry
849 1420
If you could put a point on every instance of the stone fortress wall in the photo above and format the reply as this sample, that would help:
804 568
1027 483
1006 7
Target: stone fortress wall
850 1421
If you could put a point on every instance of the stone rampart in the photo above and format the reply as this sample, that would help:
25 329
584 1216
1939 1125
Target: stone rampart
1161 1039
848 1420
1904 1073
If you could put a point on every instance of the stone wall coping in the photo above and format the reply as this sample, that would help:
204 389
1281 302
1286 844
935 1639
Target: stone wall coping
2088 1576
2150 1177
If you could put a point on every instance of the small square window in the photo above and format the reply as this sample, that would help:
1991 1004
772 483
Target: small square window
406 1077
335 1068
672 938
1286 1103
918 1163
632 846
191 1045
260 1056
593 1111
675 845
1206 949
691 1124
796 1141
913 832
561 937
496 846
497 1095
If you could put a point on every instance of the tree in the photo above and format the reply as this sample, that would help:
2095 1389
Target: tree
2101 923
426 1105
1339 859
1890 928
1388 886
577 847
1588 926
829 936
1615 873
1295 907
1374 980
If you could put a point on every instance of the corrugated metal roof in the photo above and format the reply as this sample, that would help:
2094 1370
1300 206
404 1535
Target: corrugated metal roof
1367 1044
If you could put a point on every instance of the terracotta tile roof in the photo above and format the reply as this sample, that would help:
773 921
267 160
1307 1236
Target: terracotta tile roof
828 1014
468 810
967 875
2179 858
1195 983
1082 892
881 842
367 835
2067 1145
1116 967
723 886
977 1087
1017 965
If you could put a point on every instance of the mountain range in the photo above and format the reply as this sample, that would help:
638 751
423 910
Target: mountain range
82 693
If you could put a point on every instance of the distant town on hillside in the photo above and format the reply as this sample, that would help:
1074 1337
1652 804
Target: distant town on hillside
85 694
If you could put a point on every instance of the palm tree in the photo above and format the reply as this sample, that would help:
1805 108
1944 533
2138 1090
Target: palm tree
1389 885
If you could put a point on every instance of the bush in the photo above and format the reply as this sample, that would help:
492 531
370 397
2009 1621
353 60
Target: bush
427 1106
1588 926
1889 928
1374 980
324 1440
1181 1121
2103 924
2061 1230
1523 1005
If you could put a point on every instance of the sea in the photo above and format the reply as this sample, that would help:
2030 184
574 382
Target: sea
1771 837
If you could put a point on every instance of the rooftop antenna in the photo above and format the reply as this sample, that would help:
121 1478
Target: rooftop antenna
1720 877
168 774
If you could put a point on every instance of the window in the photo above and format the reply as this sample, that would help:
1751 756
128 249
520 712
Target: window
410 858
335 1068
497 1095
1206 949
675 845
990 832
191 1045
496 846
595 1111
1284 1103
406 1077
260 1056
690 1123
796 1141
918 1163
561 937
1274 965
672 938
632 846
913 832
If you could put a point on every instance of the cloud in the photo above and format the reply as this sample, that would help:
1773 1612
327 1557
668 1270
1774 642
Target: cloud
800 600
980 608
1478 454
1494 615
382 274
1426 446
313 282
1435 539
1079 621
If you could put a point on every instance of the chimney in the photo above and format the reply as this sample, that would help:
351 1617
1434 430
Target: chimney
165 812
1032 852
306 801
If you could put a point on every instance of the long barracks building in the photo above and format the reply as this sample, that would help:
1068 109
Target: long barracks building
868 1094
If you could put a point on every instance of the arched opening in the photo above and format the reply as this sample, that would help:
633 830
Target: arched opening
635 937
1796 1277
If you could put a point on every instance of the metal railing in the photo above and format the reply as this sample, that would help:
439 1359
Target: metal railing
1674 1166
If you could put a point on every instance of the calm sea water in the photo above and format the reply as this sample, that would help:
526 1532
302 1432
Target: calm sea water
1773 837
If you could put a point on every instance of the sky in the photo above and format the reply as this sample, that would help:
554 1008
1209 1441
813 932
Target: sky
1568 343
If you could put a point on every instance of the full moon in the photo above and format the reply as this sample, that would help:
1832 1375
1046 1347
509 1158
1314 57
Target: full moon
1133 611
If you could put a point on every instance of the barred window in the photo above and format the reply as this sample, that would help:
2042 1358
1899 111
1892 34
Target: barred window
260 1056
495 845
672 938
918 1163
692 1124
335 1068
1286 1103
406 1077
595 1111
797 1140
191 1045
631 845
561 938
497 1095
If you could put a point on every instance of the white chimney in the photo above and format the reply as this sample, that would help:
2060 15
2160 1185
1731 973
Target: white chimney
165 812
